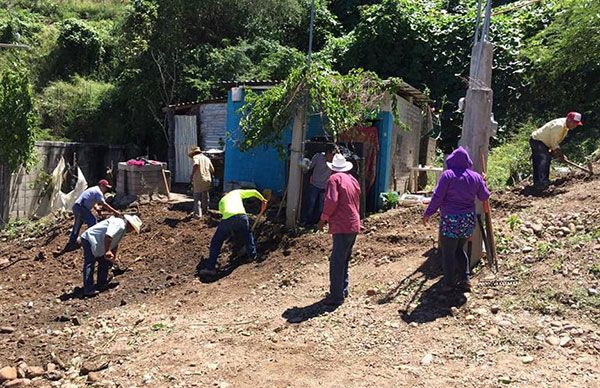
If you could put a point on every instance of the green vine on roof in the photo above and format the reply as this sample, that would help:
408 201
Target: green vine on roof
343 101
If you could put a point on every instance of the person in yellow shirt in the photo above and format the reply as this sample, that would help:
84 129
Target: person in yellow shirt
545 144
234 221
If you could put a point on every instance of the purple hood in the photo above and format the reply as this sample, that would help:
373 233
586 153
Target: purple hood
459 161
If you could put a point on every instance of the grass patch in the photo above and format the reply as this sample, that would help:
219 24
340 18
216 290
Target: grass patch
509 162
545 301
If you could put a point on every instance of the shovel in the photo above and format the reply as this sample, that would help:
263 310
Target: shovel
589 170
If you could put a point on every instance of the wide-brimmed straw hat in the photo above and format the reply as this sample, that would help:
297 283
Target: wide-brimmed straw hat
339 164
134 221
194 151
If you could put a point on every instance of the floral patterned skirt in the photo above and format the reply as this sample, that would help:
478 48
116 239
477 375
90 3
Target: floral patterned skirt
458 225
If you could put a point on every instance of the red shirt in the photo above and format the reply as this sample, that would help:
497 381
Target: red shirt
342 204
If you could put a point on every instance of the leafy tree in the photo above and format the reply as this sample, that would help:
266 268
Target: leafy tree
79 50
17 120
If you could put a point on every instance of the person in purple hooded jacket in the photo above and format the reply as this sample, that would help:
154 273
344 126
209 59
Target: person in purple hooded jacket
455 196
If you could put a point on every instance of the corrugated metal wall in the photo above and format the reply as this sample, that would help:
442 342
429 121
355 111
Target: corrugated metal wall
213 120
186 137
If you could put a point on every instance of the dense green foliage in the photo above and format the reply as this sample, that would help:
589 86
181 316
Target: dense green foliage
17 120
343 102
103 69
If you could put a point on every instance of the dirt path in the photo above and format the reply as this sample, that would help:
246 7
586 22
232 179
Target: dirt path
263 325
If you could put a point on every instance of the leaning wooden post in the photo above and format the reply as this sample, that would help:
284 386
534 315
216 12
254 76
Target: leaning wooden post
294 189
477 125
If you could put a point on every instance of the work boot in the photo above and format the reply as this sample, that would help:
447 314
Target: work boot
208 272
464 285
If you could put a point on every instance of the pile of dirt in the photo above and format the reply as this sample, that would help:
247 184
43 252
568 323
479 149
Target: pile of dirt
262 323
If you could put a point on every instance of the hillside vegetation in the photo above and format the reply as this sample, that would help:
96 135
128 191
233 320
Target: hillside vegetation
101 70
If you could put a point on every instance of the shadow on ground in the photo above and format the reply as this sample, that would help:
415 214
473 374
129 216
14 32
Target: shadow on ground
302 314
433 303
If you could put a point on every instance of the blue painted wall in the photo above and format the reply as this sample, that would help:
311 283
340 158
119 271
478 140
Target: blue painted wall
264 167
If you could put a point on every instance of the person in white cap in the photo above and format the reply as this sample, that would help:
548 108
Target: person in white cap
201 179
101 244
341 212
545 144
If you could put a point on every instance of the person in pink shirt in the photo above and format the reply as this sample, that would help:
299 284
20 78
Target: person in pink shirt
341 212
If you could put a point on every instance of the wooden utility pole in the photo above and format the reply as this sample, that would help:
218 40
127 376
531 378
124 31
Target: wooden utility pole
477 123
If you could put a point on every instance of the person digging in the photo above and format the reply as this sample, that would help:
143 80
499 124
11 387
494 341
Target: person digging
101 245
545 144
341 211
234 222
92 198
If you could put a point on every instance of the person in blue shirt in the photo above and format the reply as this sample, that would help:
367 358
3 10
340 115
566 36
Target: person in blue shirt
92 198
101 244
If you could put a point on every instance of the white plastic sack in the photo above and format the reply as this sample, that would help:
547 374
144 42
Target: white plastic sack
61 201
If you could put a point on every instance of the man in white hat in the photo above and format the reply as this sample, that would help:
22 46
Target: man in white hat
545 144
201 180
341 212
101 244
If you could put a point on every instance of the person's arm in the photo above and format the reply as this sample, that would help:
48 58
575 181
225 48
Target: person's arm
194 170
110 208
330 202
108 254
483 193
251 193
211 168
436 200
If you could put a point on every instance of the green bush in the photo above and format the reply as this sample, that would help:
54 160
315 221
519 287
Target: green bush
70 109
80 49
510 162
17 119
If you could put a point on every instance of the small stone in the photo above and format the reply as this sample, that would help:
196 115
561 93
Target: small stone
212 366
489 295
50 367
480 311
8 373
494 331
17 383
94 377
76 321
504 379
55 375
565 341
526 249
34 371
371 292
454 311
6 329
592 291
553 340
470 317
505 323
494 309
527 359
537 228
427 359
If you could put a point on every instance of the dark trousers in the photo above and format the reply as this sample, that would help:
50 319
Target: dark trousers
540 159
237 225
81 214
454 260
338 265
89 262
313 207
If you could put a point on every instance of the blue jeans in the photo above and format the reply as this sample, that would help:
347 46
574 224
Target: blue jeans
540 159
453 257
81 214
338 265
237 225
313 206
89 262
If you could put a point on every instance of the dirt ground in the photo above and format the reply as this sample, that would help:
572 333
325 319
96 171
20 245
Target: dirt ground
262 324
